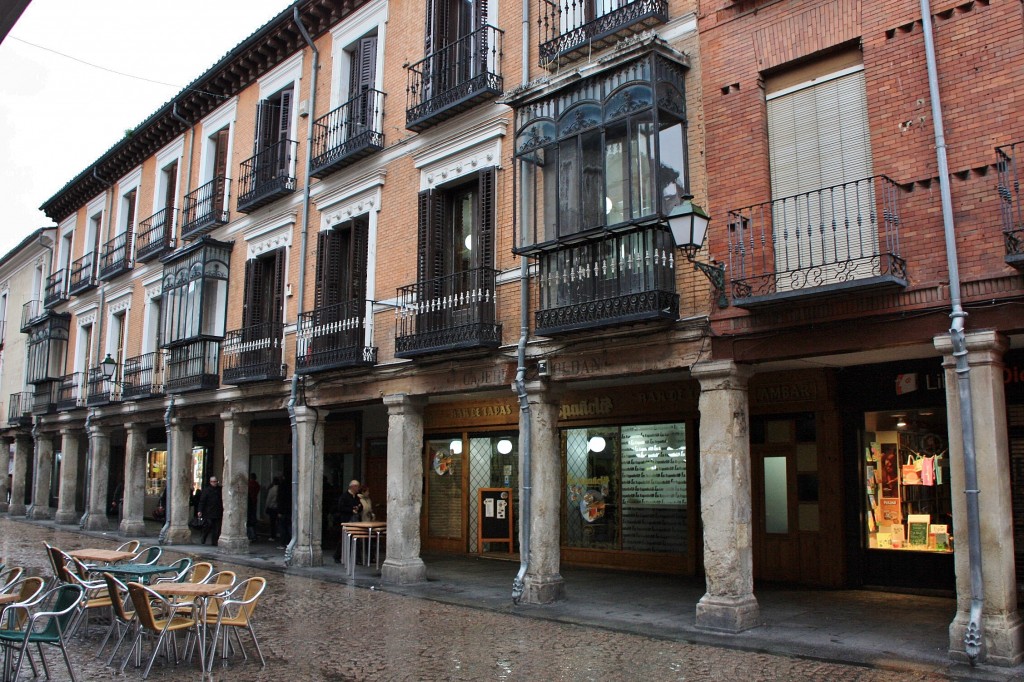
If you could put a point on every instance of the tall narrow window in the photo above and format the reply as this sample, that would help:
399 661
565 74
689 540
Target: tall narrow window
820 156
127 223
457 57
264 291
456 228
170 185
220 166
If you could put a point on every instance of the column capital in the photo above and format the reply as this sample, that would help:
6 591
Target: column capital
98 431
398 403
23 439
721 374
71 431
137 427
542 390
980 340
233 416
305 414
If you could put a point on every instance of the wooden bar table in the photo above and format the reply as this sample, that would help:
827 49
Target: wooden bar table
106 556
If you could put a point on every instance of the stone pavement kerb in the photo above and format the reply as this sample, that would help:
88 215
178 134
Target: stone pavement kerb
880 630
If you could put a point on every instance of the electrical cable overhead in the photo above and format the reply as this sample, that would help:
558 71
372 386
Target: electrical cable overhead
114 71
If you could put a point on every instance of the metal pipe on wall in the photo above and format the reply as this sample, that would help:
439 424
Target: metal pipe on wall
973 635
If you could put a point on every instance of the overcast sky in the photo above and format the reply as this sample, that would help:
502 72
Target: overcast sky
58 115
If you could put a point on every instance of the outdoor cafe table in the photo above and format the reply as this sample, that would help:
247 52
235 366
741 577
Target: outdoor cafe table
142 573
107 556
200 593
369 527
11 598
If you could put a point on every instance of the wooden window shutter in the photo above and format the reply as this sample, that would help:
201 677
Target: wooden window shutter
267 118
284 116
362 78
253 293
277 312
428 34
485 226
425 214
357 272
220 153
172 186
129 219
328 266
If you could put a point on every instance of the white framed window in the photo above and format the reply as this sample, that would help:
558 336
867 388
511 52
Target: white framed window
358 50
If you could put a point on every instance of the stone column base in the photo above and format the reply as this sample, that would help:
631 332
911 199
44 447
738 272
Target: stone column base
67 518
17 510
307 555
234 543
403 571
1003 639
97 522
728 614
131 527
40 513
179 536
542 590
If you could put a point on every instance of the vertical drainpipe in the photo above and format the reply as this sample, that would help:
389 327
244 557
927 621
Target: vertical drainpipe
973 635
168 484
519 386
169 412
293 396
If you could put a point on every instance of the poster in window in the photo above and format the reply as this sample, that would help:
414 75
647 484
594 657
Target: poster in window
890 471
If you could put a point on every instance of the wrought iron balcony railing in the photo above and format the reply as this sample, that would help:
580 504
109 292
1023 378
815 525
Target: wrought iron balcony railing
622 279
454 78
332 338
572 28
31 313
44 400
841 238
266 177
1010 203
116 256
193 367
83 274
19 409
144 376
156 235
447 313
70 393
56 288
205 208
102 391
254 354
347 134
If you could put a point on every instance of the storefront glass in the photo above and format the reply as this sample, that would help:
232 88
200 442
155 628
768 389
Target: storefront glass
626 488
444 499
906 480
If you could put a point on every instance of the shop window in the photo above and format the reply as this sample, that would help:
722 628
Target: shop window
444 492
906 476
626 488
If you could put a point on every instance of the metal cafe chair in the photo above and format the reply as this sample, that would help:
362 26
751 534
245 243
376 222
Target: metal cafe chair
10 576
95 594
156 616
235 611
130 546
50 618
148 556
124 614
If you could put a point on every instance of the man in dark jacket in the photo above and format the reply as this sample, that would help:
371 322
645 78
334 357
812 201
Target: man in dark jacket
348 509
211 510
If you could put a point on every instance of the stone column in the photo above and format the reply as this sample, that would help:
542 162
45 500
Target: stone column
133 506
729 603
179 479
22 451
71 444
99 468
543 583
1002 631
42 475
405 489
5 466
307 550
233 536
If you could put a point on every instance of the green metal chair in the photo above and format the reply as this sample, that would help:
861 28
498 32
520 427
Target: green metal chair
49 620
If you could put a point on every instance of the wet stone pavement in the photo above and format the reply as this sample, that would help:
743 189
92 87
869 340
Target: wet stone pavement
315 630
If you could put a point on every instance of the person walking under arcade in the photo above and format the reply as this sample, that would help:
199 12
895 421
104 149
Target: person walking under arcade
211 510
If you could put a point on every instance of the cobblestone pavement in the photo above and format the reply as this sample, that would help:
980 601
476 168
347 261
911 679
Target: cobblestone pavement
315 630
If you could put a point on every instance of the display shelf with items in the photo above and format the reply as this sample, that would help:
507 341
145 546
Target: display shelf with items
906 481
